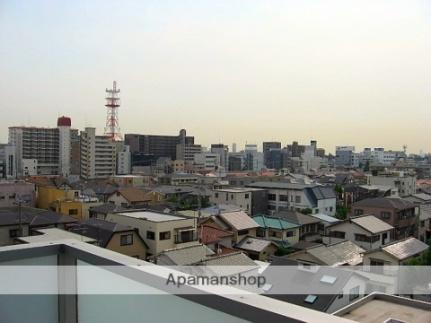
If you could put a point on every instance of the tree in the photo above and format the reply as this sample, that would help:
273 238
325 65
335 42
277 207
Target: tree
341 212
306 211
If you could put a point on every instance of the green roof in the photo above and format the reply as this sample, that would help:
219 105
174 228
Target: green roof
273 223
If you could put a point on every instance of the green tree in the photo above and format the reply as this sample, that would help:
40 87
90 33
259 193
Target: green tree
306 211
341 212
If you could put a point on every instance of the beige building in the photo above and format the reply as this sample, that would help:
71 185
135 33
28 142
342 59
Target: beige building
98 155
367 231
405 183
160 231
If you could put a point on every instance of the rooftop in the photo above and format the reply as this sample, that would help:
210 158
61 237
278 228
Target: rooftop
253 244
280 185
273 222
211 234
325 218
152 216
406 248
372 224
385 202
239 220
55 234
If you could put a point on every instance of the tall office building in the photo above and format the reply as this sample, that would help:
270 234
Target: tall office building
98 155
156 145
42 151
7 161
223 151
272 154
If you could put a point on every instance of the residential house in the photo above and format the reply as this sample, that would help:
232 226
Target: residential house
160 231
295 196
129 197
14 192
366 231
308 226
214 237
18 222
238 222
395 254
279 230
250 200
419 198
113 236
323 289
257 248
325 221
424 229
184 256
399 213
337 254
131 180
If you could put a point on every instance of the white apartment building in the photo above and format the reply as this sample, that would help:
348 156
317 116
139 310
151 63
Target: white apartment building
98 155
294 196
223 152
124 160
50 147
405 183
206 161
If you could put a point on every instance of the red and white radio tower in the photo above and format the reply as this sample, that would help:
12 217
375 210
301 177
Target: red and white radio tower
112 129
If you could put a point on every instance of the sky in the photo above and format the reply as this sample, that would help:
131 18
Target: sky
341 72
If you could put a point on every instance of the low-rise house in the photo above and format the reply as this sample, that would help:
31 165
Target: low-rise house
14 192
324 289
419 198
250 200
424 230
257 248
281 231
129 197
160 231
366 231
214 237
238 222
395 254
308 226
337 254
325 221
131 180
184 256
113 236
18 222
399 213
295 196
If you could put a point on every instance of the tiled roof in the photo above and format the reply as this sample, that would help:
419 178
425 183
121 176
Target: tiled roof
296 217
274 222
385 202
253 244
32 216
133 195
185 256
372 224
239 220
211 234
406 248
345 252
325 218
230 259
280 185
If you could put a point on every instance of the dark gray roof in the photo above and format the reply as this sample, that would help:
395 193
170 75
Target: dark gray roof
296 217
280 185
33 217
323 192
304 281
385 202
100 230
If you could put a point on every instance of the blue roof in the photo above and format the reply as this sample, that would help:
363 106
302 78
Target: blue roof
274 223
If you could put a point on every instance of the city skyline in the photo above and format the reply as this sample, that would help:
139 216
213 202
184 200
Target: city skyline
226 71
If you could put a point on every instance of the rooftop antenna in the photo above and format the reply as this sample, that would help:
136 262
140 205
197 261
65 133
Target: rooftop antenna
112 129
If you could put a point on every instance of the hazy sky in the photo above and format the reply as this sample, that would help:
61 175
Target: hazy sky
342 72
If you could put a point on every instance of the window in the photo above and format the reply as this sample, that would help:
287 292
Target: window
337 234
227 197
272 197
341 295
354 293
310 299
242 232
216 195
126 239
328 279
13 233
165 235
246 196
151 235
297 199
385 215
290 234
359 212
284 198
73 211
260 232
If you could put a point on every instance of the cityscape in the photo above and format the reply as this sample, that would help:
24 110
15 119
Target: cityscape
122 223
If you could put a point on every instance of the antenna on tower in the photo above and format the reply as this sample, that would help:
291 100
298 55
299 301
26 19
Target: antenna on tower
112 129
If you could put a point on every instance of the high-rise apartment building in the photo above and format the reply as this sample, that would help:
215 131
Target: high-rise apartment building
223 151
272 154
98 155
42 151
